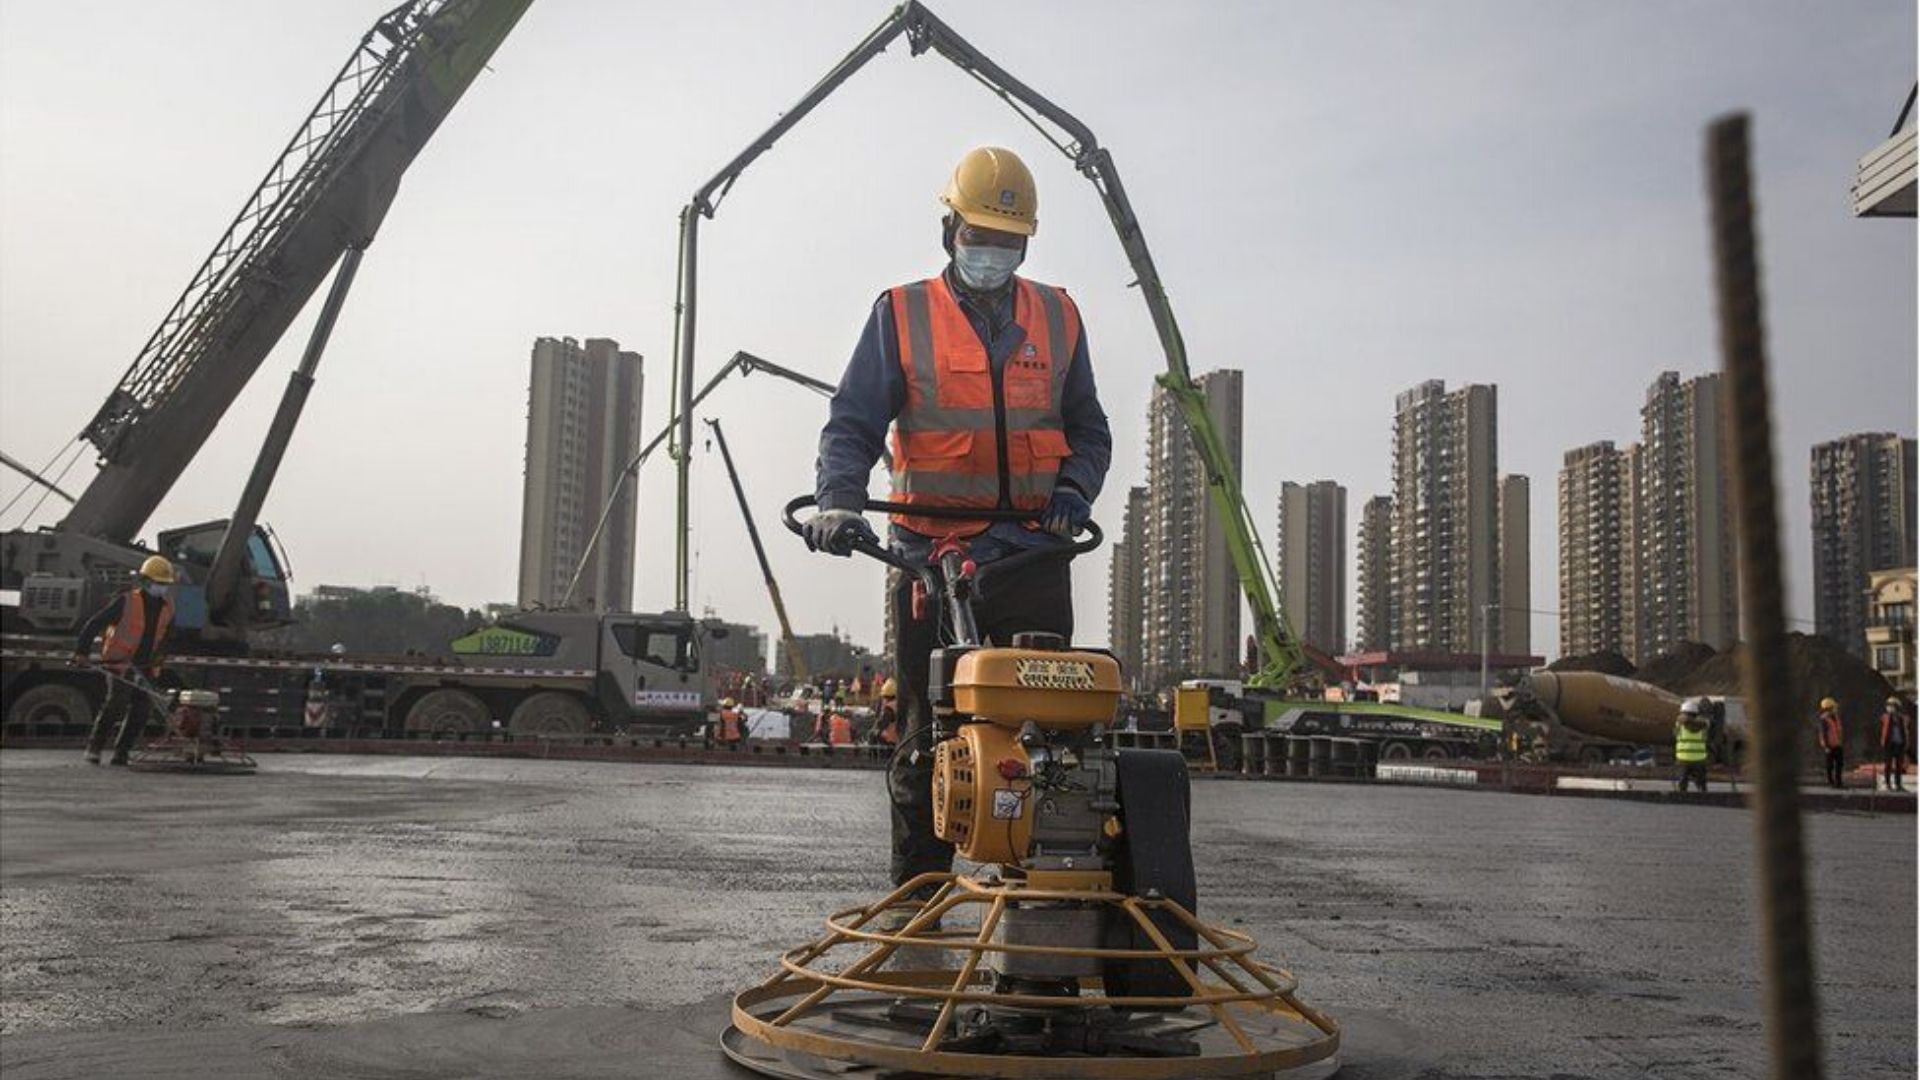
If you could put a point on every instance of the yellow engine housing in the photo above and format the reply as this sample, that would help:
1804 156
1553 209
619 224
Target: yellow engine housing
1059 689
986 816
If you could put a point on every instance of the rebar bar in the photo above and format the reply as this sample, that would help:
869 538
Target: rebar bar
1785 947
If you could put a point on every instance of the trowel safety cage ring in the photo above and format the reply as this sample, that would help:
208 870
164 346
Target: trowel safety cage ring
1222 979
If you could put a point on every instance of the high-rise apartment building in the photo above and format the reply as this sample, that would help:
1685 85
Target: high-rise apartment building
1646 532
1514 628
583 426
1126 591
1684 581
1376 631
1446 545
1192 602
1595 508
1863 521
1311 561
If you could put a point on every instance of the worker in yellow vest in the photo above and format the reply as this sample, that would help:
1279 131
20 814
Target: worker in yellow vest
132 629
1690 744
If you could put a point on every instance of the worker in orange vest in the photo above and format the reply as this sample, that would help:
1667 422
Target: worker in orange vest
839 726
985 380
729 722
1896 743
132 628
1833 740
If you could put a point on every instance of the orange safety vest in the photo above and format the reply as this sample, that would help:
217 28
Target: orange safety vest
840 730
947 441
729 726
122 639
1832 735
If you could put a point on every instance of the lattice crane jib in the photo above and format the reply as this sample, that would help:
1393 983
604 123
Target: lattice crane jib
326 192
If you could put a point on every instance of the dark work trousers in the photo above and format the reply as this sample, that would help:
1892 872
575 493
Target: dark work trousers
1836 767
1895 768
1696 772
1038 596
125 706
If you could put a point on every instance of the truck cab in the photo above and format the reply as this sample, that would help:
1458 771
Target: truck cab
646 668
64 577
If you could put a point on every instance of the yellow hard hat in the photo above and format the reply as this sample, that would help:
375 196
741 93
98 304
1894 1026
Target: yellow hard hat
992 189
157 568
1829 703
726 703
887 689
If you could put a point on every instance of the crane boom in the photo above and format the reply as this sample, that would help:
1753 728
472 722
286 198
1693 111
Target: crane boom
796 664
1281 661
327 192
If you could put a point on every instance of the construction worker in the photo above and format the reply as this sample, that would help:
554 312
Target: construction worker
1690 744
729 722
886 724
985 380
1896 743
839 726
1833 740
132 629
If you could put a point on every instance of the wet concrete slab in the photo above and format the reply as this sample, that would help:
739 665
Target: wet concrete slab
434 917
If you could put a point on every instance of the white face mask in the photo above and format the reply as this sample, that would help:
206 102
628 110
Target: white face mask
985 268
156 590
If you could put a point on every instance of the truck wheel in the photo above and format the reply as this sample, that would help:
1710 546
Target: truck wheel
1435 753
49 704
1396 751
550 712
448 712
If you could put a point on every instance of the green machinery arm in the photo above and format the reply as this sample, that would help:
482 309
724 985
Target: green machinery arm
1281 662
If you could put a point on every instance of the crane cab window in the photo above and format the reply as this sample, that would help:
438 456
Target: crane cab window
668 647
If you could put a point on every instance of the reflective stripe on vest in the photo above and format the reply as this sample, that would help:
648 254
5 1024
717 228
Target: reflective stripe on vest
946 446
122 640
1689 747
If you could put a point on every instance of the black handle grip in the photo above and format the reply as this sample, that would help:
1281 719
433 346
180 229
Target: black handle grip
1093 539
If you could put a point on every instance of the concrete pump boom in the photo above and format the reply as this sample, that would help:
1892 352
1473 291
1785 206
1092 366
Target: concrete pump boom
1281 662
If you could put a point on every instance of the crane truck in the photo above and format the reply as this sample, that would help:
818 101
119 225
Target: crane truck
316 210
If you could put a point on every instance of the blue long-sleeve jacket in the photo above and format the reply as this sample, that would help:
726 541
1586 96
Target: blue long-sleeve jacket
874 390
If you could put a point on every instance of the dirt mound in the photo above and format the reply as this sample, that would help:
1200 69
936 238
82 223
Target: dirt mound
1605 662
1817 668
1667 669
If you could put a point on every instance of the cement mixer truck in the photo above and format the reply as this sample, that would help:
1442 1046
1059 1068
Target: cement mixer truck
1593 718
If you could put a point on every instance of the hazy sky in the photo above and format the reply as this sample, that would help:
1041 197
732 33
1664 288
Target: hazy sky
1343 198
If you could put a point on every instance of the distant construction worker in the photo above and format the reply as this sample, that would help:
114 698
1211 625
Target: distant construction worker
132 629
985 379
1896 743
1690 744
1833 740
886 723
729 722
839 726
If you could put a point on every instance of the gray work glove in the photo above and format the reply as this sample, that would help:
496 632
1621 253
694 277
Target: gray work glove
835 531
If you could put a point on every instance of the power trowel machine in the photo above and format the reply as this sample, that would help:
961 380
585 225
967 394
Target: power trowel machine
1073 947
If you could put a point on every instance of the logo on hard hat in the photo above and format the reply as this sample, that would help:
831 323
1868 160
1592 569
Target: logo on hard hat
1006 198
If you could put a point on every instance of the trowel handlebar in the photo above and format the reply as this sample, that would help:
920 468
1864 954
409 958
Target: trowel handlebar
886 555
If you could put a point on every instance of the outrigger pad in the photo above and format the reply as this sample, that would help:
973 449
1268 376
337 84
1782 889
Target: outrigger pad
1154 856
